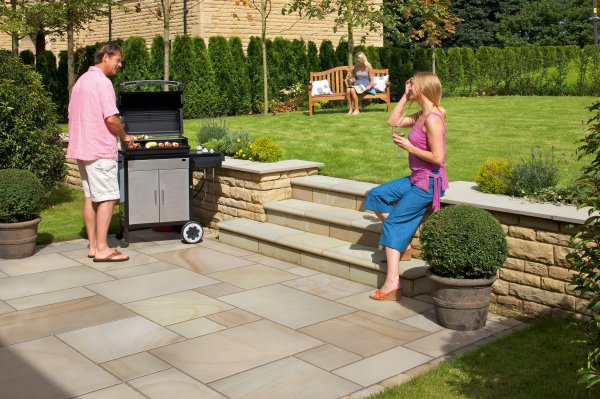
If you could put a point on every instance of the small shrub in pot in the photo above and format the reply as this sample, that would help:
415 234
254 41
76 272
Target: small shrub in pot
463 242
22 196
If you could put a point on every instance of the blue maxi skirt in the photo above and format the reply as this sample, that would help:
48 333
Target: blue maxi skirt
410 204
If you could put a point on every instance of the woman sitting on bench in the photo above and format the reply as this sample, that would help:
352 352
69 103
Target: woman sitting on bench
359 81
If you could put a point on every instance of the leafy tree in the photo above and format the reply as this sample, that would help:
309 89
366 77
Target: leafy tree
327 55
546 23
349 14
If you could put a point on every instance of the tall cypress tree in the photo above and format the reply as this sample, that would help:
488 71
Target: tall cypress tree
255 73
220 57
327 55
183 69
314 63
135 65
341 53
156 65
300 61
209 98
240 76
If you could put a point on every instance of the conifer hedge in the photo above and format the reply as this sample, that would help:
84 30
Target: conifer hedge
240 76
222 63
156 65
327 55
209 99
136 63
27 57
255 73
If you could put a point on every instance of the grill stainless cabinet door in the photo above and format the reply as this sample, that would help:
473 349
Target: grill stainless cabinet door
174 194
143 196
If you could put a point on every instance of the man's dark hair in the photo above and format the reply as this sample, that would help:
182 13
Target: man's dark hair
109 49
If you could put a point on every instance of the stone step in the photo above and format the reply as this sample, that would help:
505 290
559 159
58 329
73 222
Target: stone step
330 221
355 262
326 190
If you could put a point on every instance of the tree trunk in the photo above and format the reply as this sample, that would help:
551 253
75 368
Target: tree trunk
263 15
167 40
70 58
432 59
40 42
14 35
350 34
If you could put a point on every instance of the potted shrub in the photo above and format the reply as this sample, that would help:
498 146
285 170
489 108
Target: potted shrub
464 246
22 197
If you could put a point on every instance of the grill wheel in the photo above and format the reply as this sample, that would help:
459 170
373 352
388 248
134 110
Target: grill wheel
192 232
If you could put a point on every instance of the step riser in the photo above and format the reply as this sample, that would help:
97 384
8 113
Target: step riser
341 232
328 197
321 263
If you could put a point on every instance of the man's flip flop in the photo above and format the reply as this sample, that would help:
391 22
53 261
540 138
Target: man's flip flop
111 257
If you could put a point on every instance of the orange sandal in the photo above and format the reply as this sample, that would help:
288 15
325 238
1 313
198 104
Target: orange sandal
394 295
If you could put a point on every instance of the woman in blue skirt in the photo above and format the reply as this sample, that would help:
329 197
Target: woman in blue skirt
401 203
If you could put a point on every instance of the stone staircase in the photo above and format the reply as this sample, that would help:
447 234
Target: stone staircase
324 227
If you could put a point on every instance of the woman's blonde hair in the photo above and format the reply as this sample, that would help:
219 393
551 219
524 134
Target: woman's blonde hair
364 57
429 85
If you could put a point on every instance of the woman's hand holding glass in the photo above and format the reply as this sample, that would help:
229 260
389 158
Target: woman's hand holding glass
398 137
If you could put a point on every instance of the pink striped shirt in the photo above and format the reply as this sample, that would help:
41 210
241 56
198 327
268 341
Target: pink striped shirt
422 170
92 101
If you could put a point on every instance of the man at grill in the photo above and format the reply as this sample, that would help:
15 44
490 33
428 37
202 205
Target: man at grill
94 126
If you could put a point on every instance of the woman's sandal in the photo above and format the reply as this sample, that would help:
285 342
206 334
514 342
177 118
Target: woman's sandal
393 295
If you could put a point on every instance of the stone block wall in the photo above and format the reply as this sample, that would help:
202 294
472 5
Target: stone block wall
232 193
204 19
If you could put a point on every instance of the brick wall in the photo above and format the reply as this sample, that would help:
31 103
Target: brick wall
205 19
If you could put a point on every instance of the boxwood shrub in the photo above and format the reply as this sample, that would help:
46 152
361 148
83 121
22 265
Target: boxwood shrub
22 196
463 242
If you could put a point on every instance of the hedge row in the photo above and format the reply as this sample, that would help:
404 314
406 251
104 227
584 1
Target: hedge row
221 67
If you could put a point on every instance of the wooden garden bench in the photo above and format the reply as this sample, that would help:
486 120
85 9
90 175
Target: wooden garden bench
337 83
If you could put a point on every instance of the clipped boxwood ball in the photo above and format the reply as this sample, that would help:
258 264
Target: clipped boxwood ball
22 196
463 242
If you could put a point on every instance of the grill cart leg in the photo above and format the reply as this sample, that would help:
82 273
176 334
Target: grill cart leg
192 232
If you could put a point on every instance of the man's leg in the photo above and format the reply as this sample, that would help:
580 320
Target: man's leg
104 211
89 217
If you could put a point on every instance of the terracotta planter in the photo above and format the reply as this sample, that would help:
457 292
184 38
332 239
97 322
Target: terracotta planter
17 240
461 304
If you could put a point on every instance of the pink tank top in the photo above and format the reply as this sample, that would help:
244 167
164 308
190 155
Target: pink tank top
422 170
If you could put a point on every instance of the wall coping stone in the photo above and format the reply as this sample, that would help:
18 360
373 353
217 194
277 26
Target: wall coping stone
244 165
464 192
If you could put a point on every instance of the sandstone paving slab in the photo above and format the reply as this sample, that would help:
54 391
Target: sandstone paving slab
134 366
363 333
382 366
335 215
277 263
121 391
2 275
287 306
56 318
36 264
327 286
328 357
203 260
196 327
291 206
60 247
119 338
5 308
310 242
47 368
224 353
265 231
150 285
49 298
233 318
319 181
286 378
39 283
425 321
157 249
133 271
358 254
135 259
171 383
446 341
353 187
225 248
406 307
177 307
253 276
217 290
302 271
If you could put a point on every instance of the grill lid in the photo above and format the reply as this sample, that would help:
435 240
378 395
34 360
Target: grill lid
152 113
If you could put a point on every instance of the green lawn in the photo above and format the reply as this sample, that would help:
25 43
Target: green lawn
359 148
539 362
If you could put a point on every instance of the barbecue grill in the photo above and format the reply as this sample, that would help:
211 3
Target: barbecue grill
156 172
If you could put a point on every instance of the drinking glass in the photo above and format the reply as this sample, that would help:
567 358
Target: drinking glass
397 130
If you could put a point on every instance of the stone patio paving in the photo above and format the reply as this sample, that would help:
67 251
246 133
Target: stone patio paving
206 321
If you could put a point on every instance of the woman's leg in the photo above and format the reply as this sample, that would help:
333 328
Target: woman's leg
349 99
355 102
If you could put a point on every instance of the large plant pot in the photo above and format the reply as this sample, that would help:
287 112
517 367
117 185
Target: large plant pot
17 240
461 304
